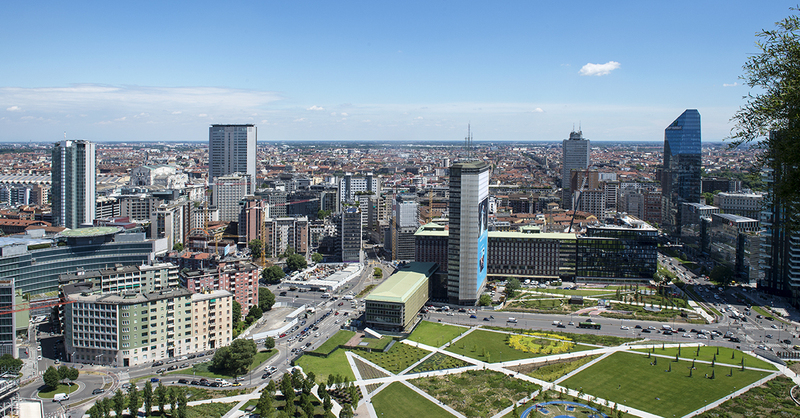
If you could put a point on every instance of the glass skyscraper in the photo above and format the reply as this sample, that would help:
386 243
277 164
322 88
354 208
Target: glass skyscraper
232 149
73 174
680 177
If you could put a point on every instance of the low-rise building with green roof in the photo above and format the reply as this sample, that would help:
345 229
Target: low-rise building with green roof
394 304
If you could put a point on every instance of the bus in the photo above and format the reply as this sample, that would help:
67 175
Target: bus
590 325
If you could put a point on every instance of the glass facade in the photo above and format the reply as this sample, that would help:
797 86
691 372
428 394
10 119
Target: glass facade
617 253
680 178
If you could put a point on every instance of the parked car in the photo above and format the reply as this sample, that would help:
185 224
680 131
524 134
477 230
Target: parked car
183 381
473 316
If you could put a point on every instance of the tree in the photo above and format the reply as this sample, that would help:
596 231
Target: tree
237 313
134 400
512 285
182 403
178 246
264 405
269 343
253 315
173 399
51 377
63 373
317 258
147 396
255 247
118 402
721 275
161 398
234 359
322 214
771 117
73 374
287 389
296 262
273 274
271 387
10 364
485 300
377 273
94 412
266 298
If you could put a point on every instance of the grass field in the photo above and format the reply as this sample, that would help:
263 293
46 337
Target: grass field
439 361
387 404
604 340
580 292
207 410
632 380
768 400
334 341
379 344
60 389
398 358
435 334
336 363
476 393
707 354
491 347
553 371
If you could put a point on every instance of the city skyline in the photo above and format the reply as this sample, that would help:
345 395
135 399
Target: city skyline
360 71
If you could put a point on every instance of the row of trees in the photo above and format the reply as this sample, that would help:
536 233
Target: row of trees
299 401
162 396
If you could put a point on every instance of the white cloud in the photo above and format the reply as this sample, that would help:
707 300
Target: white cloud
300 119
730 85
418 118
345 114
599 69
202 115
177 112
14 109
333 113
121 119
537 110
315 107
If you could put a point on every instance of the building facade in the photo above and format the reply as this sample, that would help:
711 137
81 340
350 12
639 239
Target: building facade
574 156
680 177
351 235
232 149
468 231
73 183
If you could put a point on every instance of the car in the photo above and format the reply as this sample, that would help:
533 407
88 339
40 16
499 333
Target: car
97 391
161 370
486 318
57 361
787 341
266 375
154 380
172 360
215 384
681 329
473 316
625 327
774 326
701 337
183 381
769 336
491 316
646 330
236 384
173 367
157 363
191 356
282 293
651 328
560 325
687 335
195 383
638 327
39 357
205 383
126 385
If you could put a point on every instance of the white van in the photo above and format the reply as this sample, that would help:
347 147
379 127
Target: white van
326 295
60 397
512 319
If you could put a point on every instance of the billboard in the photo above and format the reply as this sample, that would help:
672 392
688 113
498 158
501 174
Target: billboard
483 242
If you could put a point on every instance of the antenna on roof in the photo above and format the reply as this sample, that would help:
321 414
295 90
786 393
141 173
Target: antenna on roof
468 142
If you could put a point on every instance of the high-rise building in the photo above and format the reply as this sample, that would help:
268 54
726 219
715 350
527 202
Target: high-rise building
575 156
73 183
406 222
780 245
469 228
232 149
680 177
351 235
350 186
228 191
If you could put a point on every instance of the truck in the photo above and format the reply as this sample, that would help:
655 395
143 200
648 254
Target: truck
347 297
58 397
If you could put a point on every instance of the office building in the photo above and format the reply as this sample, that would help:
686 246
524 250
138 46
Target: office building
574 156
734 241
405 211
350 186
680 176
73 183
228 191
232 149
742 204
468 231
624 251
394 304
780 246
351 235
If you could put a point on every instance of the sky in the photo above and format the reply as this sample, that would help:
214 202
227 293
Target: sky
304 70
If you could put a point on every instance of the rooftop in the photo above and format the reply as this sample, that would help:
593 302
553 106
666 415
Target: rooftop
91 232
403 283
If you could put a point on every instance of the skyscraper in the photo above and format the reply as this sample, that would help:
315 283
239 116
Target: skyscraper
469 232
680 177
73 183
575 156
232 149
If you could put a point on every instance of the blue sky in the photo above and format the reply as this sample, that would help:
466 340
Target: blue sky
530 70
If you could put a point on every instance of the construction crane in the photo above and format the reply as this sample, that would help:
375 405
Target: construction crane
28 306
578 199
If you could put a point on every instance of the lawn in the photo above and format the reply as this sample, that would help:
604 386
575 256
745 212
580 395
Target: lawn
375 344
398 358
604 340
439 361
335 363
340 338
633 380
387 404
767 400
476 393
582 292
435 334
60 389
707 353
491 347
208 410
552 371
